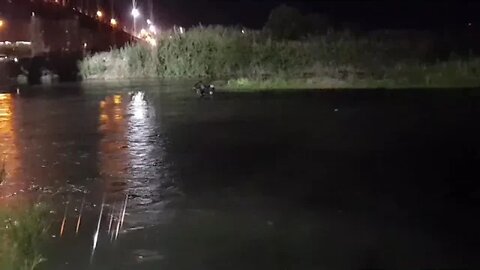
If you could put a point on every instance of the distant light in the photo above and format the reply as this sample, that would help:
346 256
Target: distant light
135 12
2 23
469 24
113 22
99 14
33 14
15 60
85 45
149 22
117 99
152 29
243 31
182 30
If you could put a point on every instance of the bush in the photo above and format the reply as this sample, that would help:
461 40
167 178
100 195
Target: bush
229 54
21 237
219 52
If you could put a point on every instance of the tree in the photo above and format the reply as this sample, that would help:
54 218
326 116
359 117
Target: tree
285 22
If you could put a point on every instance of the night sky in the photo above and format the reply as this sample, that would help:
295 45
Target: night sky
374 14
254 13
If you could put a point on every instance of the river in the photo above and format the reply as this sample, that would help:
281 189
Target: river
145 175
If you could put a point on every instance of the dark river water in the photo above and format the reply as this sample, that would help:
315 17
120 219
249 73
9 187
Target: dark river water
148 176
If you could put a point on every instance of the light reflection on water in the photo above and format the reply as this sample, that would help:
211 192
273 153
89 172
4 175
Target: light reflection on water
113 157
128 149
131 155
145 146
123 162
9 154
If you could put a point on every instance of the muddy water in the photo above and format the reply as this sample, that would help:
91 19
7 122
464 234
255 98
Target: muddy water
147 176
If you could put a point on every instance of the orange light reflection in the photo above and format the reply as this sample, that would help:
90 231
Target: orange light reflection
8 147
114 157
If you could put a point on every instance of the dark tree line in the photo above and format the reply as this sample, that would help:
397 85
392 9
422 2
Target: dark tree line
287 22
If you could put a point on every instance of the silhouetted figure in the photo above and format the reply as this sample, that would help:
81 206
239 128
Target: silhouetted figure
202 89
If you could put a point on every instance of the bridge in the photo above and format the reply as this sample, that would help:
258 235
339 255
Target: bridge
55 26
55 33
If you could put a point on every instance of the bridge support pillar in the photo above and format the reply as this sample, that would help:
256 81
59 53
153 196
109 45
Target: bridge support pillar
36 36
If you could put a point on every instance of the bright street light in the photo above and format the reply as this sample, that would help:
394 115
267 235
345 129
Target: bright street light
99 14
2 23
135 12
113 22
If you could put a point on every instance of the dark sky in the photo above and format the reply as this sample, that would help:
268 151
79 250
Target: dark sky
254 13
377 14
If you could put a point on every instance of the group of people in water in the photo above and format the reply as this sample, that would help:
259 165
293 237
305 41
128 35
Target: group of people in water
202 89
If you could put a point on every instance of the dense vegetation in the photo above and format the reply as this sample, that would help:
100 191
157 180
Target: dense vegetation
286 54
21 236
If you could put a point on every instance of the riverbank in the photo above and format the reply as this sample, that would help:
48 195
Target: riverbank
449 74
248 60
332 83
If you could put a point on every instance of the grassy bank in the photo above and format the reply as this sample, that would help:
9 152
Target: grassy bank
448 74
21 236
253 60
